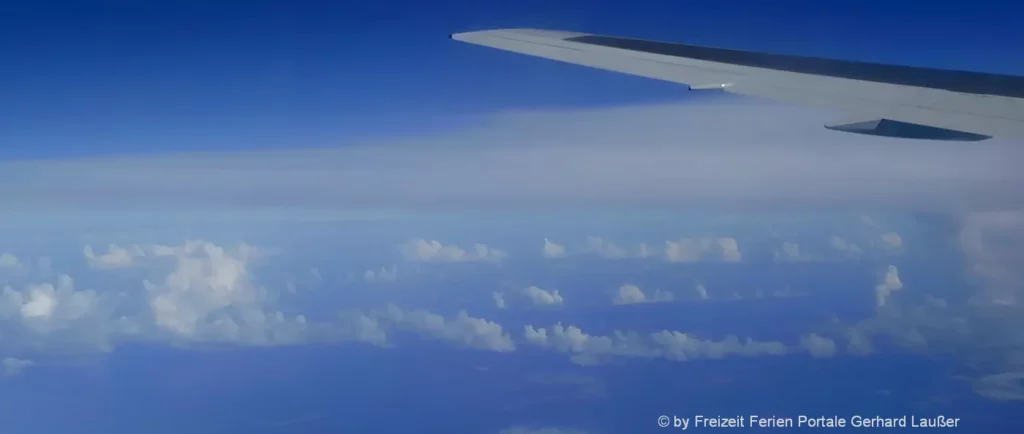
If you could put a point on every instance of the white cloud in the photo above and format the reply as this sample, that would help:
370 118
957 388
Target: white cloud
499 300
818 346
209 296
13 366
552 250
890 283
8 260
632 294
693 250
625 155
844 246
542 297
359 326
199 292
1006 386
420 250
981 327
791 250
46 308
730 249
891 240
684 250
589 349
629 294
600 247
116 256
993 246
605 249
682 347
859 343
384 275
702 292
464 330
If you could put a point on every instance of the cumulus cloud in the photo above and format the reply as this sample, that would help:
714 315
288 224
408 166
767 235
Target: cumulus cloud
210 295
891 240
116 256
383 275
730 249
683 250
989 331
552 250
47 308
542 297
588 349
420 250
13 366
859 343
993 247
499 300
625 155
605 249
199 292
818 346
693 250
681 347
632 294
790 250
361 327
203 293
1006 386
843 245
8 260
464 330
702 292
980 327
890 282
840 248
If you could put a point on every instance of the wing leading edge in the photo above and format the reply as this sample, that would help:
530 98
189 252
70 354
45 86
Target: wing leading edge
903 101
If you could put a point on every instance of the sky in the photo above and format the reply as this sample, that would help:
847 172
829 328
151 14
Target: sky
89 78
320 217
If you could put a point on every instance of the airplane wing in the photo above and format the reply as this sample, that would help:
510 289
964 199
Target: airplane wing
885 100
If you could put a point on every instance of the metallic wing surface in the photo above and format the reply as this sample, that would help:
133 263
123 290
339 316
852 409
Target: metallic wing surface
885 100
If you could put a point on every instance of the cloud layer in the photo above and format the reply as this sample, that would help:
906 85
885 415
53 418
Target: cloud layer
655 155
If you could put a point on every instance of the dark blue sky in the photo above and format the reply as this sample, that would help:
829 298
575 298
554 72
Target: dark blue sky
138 76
